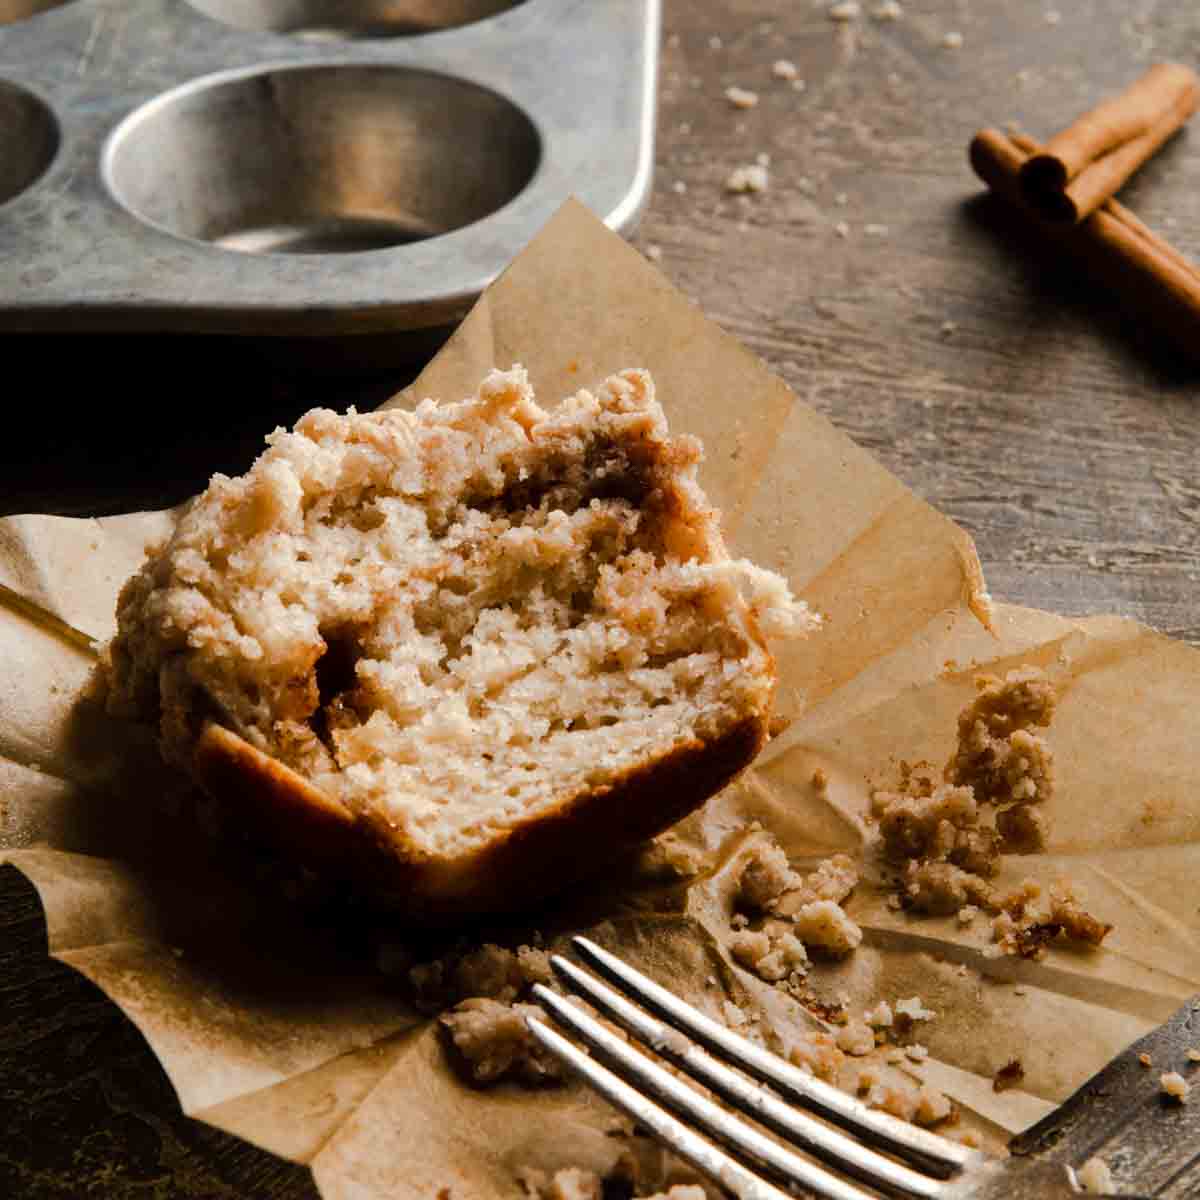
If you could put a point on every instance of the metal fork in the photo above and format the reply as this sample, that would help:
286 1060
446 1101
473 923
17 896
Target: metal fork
888 1156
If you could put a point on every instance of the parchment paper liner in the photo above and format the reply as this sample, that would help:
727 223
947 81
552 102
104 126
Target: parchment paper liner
267 1031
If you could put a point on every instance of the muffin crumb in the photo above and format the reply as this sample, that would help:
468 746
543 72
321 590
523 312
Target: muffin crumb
494 1042
946 836
1095 1177
1011 1075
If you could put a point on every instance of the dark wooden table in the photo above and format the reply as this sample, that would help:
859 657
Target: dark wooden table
1003 388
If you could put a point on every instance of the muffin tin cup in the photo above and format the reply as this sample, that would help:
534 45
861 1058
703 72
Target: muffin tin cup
305 167
321 158
334 20
28 139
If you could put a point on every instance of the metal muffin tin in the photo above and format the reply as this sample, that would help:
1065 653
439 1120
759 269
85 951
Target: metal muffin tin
304 167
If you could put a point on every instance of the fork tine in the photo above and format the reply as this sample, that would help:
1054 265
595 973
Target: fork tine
652 1082
841 1152
918 1146
673 1133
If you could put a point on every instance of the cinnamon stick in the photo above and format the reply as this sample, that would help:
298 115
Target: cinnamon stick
1125 215
1082 167
1158 288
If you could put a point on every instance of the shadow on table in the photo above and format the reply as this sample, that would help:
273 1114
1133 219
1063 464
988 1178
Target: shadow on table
1056 283
85 1106
106 423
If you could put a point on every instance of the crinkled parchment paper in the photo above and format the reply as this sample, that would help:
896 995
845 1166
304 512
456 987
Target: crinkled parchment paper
268 1030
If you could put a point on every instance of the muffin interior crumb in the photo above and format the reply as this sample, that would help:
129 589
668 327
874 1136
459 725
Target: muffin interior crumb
454 618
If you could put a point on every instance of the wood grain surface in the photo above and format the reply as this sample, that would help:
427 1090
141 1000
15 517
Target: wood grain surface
1001 386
